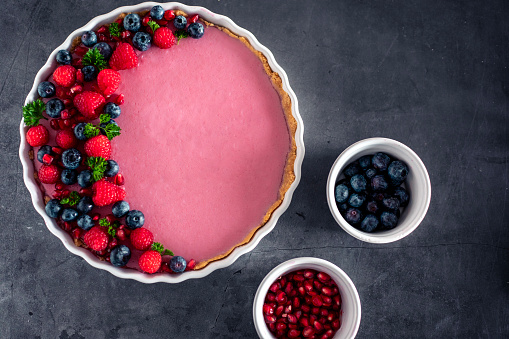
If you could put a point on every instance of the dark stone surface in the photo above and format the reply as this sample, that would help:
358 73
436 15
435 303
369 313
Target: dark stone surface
431 74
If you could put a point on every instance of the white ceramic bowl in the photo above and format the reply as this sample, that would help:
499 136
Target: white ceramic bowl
37 197
350 306
417 183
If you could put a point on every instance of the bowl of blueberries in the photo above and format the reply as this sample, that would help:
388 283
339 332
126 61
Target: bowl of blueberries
378 190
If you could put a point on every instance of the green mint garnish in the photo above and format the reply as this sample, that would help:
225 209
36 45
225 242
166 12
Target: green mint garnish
104 222
114 29
112 231
111 130
32 112
181 35
94 58
160 248
98 166
91 131
104 118
71 200
153 25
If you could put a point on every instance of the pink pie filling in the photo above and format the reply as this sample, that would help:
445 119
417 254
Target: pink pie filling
204 143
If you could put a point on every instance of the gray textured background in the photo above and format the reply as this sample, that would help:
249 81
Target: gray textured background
431 74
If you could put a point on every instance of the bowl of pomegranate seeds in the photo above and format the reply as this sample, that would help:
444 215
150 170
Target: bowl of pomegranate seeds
307 298
378 190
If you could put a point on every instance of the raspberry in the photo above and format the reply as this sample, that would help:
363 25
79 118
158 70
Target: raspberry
124 57
98 146
142 239
96 238
65 139
164 38
89 104
49 174
64 76
106 193
150 261
108 81
37 136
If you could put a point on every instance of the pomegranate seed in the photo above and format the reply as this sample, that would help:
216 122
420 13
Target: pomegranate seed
66 193
308 331
67 123
162 22
85 192
292 319
312 319
324 312
298 277
113 243
305 308
60 92
65 114
308 299
309 274
272 326
327 334
323 277
318 285
47 159
327 301
76 89
281 297
327 291
304 321
337 300
119 179
190 265
169 15
336 324
119 21
315 310
102 37
289 287
192 19
280 334
102 29
119 100
57 194
312 293
318 326
54 124
57 150
275 287
110 217
80 118
81 50
335 291
268 309
270 297
296 302
125 34
288 309
293 326
322 320
121 236
280 326
76 233
79 76
283 281
308 285
95 216
270 319
292 293
317 301
279 309
298 314
67 226
59 186
327 326
145 20
61 124
293 333
77 63
301 290
330 316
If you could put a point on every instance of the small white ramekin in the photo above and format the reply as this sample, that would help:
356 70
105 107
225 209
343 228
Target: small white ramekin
37 197
350 306
417 183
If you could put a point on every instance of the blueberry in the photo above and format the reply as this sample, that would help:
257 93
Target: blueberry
389 220
132 22
380 161
356 200
341 193
85 205
89 73
358 183
120 255
53 208
112 109
157 12
397 172
89 38
104 49
47 149
391 204
46 89
401 194
54 107
378 196
111 168
68 176
134 219
142 41
64 57
69 214
195 30
353 216
79 131
85 178
378 183
71 158
352 169
85 222
370 172
178 264
343 207
104 124
365 161
180 22
369 223
372 207
120 208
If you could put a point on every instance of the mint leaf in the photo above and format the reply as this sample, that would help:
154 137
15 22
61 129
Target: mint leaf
112 231
111 130
167 252
114 29
98 166
71 200
153 25
104 118
94 58
181 35
160 248
104 222
32 112
91 131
